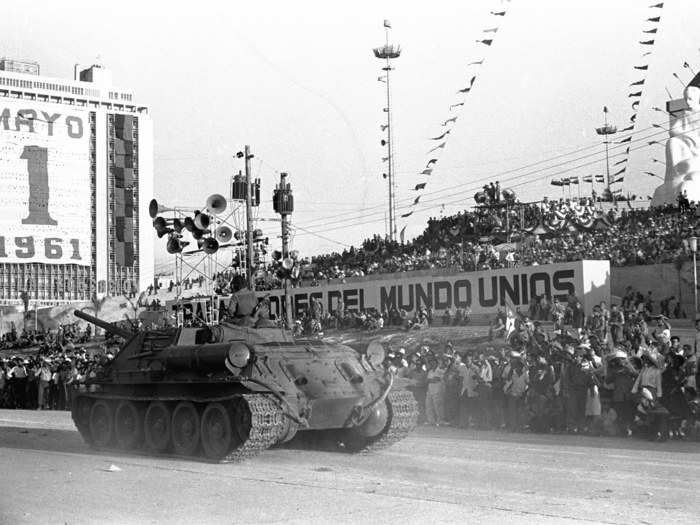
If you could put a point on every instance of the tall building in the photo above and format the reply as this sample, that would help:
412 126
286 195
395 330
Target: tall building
76 176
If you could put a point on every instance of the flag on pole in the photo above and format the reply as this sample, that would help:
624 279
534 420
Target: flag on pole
401 235
420 186
487 42
647 42
387 23
415 201
642 68
619 172
654 19
659 5
620 162
651 31
427 171
407 214
638 83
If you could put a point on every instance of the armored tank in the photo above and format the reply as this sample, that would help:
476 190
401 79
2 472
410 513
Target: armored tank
226 392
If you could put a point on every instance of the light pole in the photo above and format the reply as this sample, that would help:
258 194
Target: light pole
388 52
694 248
605 131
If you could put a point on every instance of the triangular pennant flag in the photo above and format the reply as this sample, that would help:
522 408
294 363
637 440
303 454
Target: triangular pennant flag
646 54
635 104
464 90
659 5
431 161
476 63
442 145
627 150
407 214
633 118
651 31
401 235
654 19
647 42
628 128
453 120
456 105
499 13
574 180
427 171
420 186
650 173
686 65
628 139
619 172
588 178
620 162
486 42
492 30
638 83
415 201
441 136
642 68
621 179
637 94
384 159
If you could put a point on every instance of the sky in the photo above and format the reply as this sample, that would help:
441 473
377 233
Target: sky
297 81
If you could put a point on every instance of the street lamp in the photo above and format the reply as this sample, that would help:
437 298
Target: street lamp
693 241
605 131
388 52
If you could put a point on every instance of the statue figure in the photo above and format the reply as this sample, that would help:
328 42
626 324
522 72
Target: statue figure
682 149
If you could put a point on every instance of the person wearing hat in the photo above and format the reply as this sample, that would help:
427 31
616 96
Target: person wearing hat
653 414
435 397
620 377
574 385
43 376
517 379
650 375
616 323
18 383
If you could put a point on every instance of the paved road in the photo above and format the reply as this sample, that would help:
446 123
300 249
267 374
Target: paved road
436 476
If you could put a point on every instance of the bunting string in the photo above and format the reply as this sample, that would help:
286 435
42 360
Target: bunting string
486 42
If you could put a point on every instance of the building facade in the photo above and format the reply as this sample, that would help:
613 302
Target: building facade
76 172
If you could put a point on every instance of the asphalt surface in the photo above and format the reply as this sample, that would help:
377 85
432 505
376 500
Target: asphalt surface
437 475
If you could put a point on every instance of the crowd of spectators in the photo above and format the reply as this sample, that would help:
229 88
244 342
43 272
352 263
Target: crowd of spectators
520 235
620 371
46 365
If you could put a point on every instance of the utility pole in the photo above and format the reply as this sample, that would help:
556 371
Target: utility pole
249 219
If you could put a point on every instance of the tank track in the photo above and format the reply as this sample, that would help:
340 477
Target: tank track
265 430
403 419
266 426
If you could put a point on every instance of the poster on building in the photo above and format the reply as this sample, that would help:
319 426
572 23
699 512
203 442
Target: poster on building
482 292
45 181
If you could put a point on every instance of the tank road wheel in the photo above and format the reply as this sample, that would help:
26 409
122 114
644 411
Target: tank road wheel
185 428
128 425
218 437
101 424
156 426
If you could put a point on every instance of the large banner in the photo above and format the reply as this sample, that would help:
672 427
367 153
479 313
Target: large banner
484 292
44 183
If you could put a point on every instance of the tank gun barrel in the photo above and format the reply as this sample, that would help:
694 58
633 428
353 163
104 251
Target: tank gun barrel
126 334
